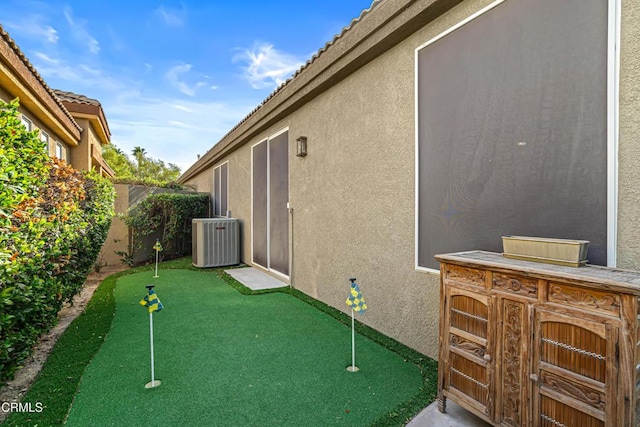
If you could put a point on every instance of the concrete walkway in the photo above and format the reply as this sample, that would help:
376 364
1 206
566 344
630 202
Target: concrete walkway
255 279
456 416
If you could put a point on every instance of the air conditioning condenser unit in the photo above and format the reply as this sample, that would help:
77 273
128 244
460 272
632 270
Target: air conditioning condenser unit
216 242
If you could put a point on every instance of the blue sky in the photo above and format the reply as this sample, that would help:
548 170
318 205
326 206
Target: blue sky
173 77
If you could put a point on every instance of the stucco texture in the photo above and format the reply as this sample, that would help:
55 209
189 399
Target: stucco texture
628 247
80 157
118 235
353 195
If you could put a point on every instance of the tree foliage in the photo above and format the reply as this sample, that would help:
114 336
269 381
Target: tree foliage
170 215
53 222
145 170
119 162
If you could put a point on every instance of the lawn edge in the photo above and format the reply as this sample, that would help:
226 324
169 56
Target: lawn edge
59 379
402 413
101 308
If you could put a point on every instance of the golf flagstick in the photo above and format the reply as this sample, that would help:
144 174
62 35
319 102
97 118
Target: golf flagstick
157 247
356 302
156 275
353 367
153 372
152 302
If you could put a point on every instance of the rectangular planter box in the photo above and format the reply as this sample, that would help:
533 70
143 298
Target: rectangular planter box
552 251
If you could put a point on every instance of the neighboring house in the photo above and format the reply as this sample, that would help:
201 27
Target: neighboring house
436 126
73 126
88 113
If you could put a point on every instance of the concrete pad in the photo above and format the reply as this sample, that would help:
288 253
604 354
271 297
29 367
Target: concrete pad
456 416
255 279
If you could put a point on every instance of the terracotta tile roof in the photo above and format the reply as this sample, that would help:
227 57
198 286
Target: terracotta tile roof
307 64
76 103
12 44
66 96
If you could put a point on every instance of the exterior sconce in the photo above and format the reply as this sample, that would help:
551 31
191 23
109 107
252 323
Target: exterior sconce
302 146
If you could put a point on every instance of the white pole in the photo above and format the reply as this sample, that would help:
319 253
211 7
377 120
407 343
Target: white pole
353 342
153 375
353 367
156 264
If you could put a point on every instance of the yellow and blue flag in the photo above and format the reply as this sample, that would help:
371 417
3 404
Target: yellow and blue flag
157 246
151 301
356 300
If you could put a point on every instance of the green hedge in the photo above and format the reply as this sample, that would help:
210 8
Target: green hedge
170 215
53 222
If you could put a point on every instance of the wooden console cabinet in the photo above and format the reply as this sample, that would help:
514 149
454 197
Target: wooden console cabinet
531 344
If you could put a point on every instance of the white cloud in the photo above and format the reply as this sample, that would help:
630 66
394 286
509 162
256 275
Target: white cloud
58 68
183 108
169 133
92 71
176 76
34 27
265 66
46 58
80 33
172 17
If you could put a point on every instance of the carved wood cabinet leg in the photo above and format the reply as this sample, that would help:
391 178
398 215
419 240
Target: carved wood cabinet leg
442 404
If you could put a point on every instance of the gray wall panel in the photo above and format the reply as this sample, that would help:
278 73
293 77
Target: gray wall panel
512 129
216 191
224 197
259 217
279 196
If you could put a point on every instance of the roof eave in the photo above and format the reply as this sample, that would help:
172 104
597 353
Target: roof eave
378 30
25 83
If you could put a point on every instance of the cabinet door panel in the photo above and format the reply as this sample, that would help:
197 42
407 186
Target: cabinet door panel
572 371
469 367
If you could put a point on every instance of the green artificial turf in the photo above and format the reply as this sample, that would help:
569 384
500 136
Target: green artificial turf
229 359
297 378
58 381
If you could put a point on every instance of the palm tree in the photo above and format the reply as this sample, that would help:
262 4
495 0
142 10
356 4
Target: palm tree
139 154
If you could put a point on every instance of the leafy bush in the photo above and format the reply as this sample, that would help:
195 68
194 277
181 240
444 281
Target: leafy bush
150 183
53 222
170 215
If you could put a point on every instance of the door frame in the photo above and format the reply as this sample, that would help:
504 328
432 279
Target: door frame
268 212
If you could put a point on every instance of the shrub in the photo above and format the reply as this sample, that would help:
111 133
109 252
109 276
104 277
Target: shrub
53 221
170 215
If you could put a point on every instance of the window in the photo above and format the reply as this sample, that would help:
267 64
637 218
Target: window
512 129
26 122
44 137
221 190
61 151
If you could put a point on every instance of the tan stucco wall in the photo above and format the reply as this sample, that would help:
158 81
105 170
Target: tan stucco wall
239 177
353 196
80 156
117 238
203 182
629 139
